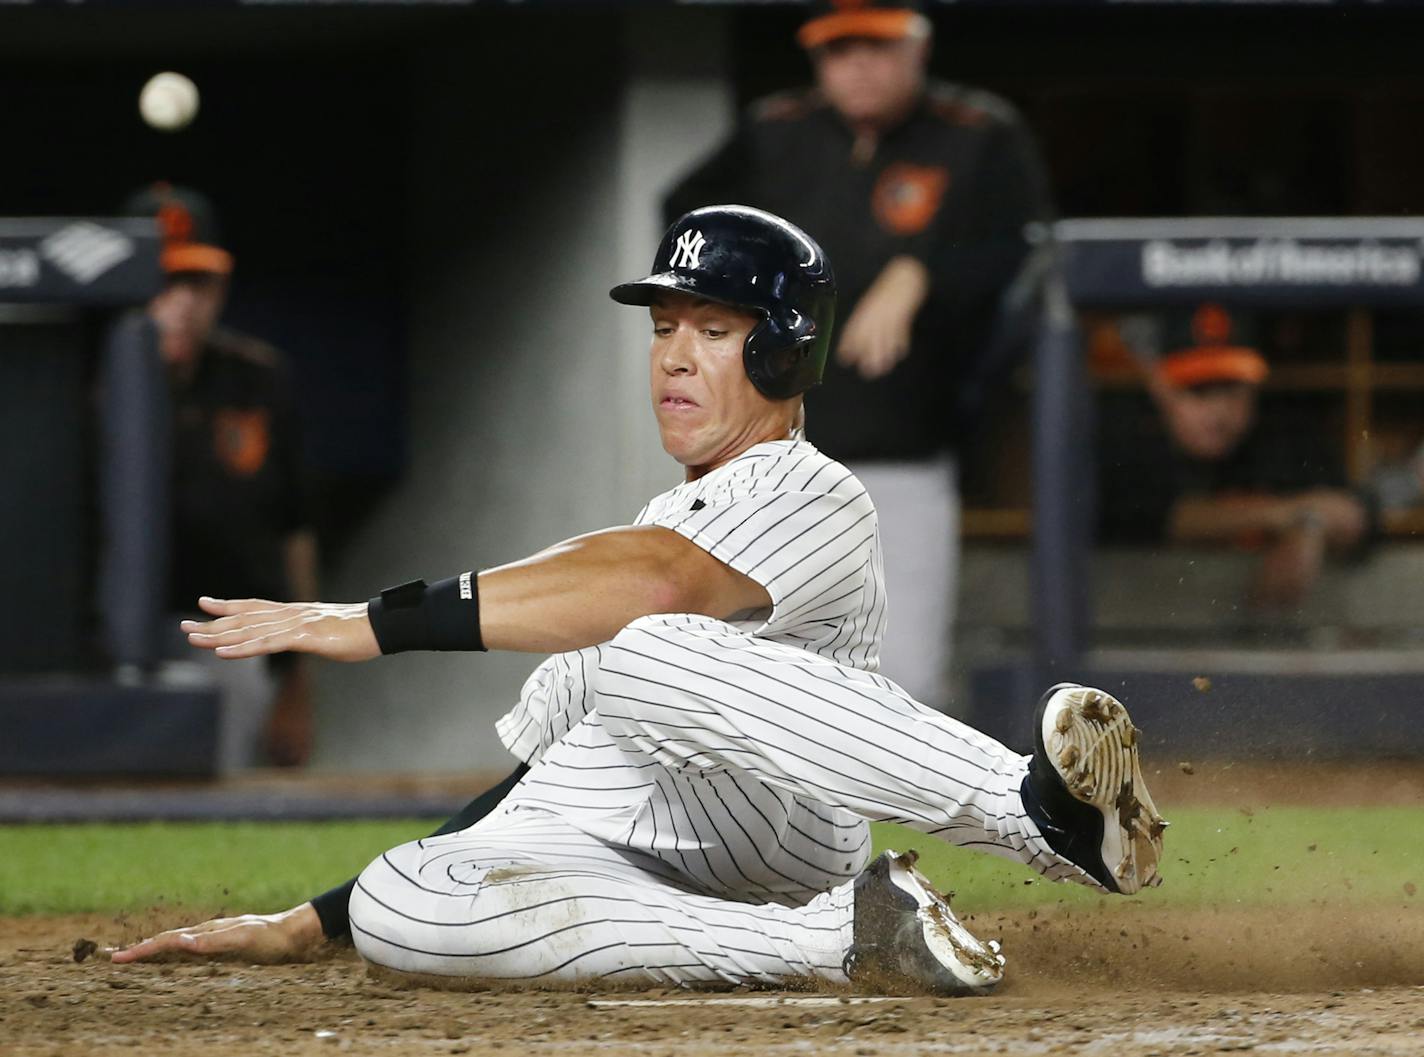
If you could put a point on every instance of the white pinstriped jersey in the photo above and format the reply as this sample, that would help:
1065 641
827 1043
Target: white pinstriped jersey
781 513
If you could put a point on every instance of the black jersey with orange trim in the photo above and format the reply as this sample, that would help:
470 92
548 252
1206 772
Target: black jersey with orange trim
954 185
237 479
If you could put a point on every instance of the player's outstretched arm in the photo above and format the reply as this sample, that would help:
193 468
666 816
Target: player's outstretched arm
289 936
585 590
578 593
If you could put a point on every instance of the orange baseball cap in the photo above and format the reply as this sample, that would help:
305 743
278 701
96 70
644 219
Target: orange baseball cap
189 226
877 19
1214 352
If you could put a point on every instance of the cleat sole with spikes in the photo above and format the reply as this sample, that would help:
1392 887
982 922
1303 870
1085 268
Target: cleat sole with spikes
1087 738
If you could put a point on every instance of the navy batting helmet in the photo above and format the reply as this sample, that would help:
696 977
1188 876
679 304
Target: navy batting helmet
744 257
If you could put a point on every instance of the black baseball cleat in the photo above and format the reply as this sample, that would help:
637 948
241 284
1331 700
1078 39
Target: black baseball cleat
1085 790
907 938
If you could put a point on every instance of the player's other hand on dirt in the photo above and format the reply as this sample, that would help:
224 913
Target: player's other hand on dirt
289 936
250 627
876 337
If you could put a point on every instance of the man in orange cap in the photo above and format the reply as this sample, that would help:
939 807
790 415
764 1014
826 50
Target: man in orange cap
237 517
1212 474
922 192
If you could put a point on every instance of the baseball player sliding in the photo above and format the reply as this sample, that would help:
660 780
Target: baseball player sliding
704 749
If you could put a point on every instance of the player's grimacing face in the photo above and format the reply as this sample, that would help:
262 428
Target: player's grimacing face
708 411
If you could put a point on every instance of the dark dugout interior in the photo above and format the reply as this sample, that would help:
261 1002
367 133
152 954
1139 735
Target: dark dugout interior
310 113
304 136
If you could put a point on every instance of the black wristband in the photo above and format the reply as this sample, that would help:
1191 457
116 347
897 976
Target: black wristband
444 615
331 911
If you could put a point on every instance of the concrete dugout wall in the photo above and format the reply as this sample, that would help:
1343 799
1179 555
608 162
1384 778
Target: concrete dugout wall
528 387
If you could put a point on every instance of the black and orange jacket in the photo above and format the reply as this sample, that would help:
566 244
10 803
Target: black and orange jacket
955 185
238 484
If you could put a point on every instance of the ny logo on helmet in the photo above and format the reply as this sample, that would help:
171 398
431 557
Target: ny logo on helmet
687 250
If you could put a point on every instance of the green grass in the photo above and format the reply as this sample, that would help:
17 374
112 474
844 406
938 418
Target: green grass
243 866
1360 855
1221 858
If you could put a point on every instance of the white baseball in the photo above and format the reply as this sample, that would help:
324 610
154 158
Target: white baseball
169 101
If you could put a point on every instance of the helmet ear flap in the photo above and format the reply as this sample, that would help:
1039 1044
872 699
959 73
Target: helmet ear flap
755 356
775 355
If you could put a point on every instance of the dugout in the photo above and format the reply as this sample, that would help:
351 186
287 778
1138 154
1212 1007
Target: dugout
427 202
64 283
1225 699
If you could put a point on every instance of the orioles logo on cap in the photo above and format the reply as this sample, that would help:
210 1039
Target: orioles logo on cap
175 222
907 197
1211 325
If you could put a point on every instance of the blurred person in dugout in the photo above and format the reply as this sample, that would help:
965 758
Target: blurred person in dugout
923 193
1206 468
203 490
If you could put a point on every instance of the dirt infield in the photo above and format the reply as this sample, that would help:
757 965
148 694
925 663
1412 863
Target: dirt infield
1121 977
1116 981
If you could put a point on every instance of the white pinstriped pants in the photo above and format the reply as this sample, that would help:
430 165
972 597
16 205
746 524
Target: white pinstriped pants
530 894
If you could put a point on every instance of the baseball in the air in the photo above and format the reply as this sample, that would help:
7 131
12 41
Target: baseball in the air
169 101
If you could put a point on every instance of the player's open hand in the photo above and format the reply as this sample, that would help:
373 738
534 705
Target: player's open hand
289 936
250 627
